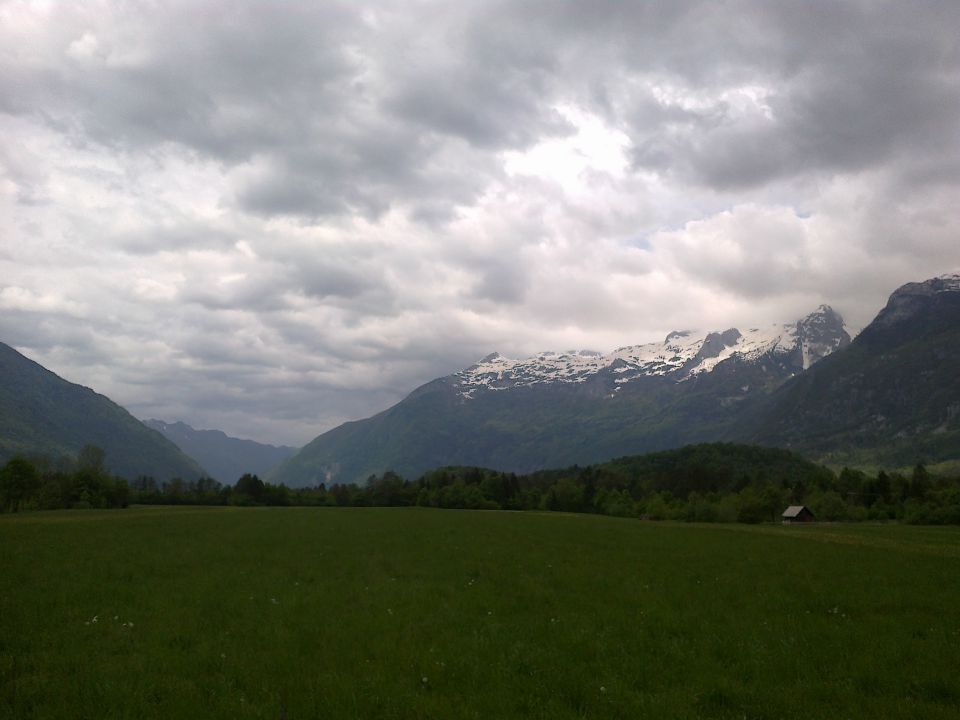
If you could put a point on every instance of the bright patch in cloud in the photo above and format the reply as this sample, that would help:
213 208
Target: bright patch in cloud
573 161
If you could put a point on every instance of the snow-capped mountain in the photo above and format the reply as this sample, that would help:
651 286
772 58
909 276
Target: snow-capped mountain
893 392
557 409
682 355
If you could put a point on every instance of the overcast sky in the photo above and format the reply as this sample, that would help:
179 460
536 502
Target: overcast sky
269 218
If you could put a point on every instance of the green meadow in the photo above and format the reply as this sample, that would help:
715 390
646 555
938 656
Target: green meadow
419 613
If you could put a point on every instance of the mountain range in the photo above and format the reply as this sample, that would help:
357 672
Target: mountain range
892 394
43 414
225 458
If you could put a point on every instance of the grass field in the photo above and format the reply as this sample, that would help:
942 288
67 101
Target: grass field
410 613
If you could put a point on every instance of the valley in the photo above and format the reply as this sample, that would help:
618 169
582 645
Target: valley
566 425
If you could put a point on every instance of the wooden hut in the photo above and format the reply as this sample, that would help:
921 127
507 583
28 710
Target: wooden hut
797 514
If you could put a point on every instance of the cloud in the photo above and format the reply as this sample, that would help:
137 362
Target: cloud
750 250
271 219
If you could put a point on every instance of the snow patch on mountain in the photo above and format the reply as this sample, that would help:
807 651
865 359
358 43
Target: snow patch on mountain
944 283
949 282
682 355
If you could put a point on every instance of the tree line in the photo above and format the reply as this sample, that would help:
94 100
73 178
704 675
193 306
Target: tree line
717 482
704 483
41 483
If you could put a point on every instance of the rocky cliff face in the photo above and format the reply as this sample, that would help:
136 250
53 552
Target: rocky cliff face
914 309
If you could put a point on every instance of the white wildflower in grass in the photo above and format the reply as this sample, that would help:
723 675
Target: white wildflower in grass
602 689
424 680
274 601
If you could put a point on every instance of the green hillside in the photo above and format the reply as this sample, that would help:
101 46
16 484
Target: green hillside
892 398
531 428
43 414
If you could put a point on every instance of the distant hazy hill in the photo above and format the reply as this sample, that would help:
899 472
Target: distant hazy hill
44 414
892 397
225 458
559 409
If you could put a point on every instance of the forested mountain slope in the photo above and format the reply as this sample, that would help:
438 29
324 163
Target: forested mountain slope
43 414
892 397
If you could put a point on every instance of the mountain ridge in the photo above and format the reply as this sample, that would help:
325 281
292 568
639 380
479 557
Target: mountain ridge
224 457
682 354
892 397
557 409
44 414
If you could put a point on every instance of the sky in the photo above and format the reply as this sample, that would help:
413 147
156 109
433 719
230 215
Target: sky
272 217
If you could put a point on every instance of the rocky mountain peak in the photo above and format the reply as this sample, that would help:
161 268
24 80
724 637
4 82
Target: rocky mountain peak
944 283
819 334
716 342
913 303
910 298
681 356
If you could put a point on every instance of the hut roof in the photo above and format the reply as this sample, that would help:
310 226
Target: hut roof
794 511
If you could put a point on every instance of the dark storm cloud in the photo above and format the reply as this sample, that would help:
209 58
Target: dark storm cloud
847 92
341 114
178 235
488 96
846 86
44 331
363 170
322 280
501 281
227 80
329 120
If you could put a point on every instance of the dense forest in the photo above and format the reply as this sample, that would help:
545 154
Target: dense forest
717 482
